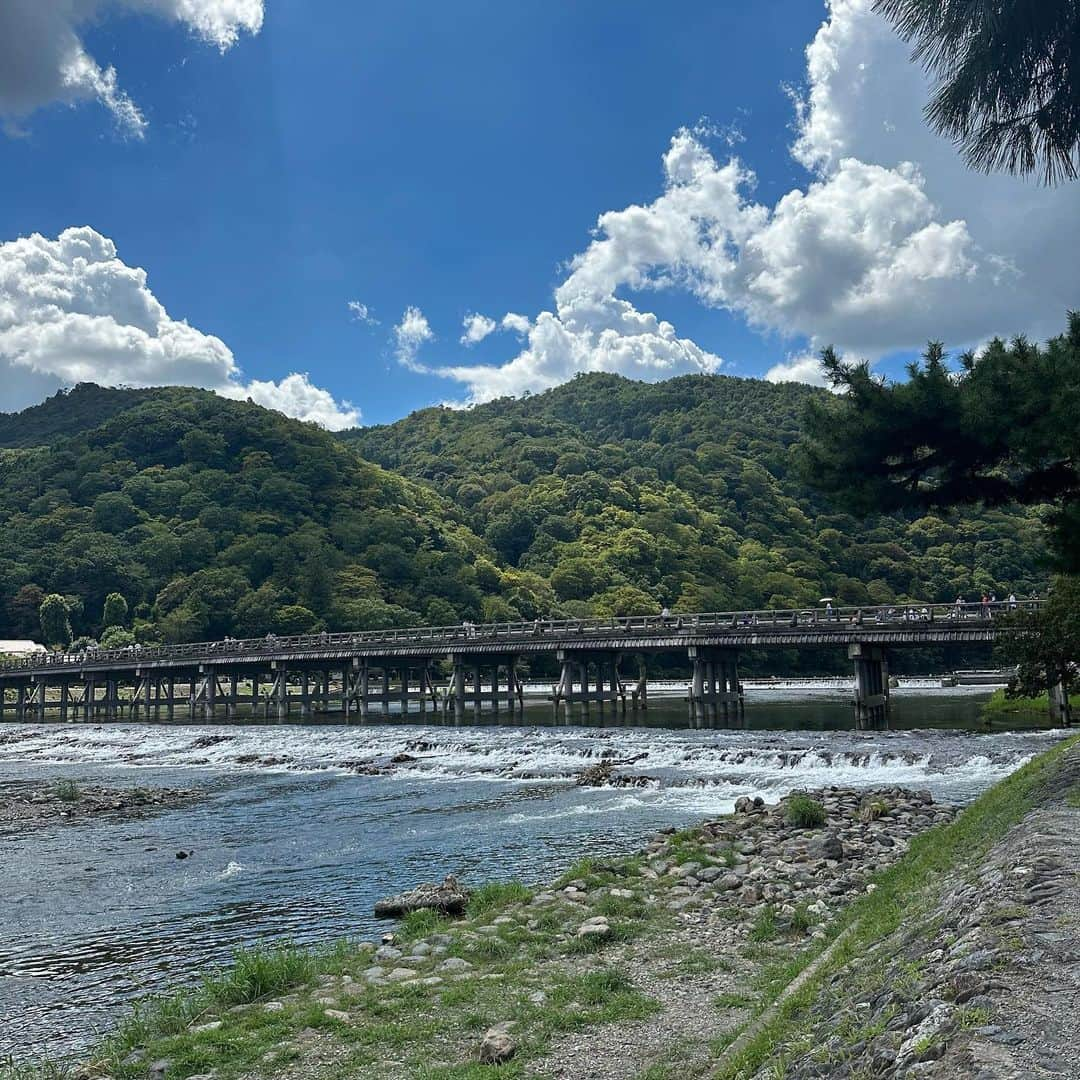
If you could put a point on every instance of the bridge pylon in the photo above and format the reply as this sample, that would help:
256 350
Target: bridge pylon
716 695
871 687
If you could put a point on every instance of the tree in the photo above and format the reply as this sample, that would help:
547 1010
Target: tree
116 637
1045 645
1008 79
1000 430
53 615
116 610
114 512
23 610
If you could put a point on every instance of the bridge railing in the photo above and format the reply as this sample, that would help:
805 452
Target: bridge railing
523 632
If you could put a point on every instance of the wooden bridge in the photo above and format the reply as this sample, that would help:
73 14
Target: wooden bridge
451 670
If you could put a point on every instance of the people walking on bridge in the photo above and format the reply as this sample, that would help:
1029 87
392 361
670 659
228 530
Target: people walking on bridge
985 606
830 615
1012 601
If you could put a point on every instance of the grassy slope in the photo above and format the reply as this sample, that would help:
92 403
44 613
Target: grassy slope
907 891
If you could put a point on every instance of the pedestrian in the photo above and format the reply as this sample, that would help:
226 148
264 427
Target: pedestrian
829 611
1012 601
985 606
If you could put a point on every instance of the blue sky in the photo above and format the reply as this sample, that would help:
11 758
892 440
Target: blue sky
453 159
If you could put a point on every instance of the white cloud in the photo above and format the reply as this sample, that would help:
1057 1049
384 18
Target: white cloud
409 334
804 369
43 58
477 327
515 323
72 311
890 242
296 396
362 313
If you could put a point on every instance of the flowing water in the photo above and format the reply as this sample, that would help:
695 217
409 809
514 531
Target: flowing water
302 828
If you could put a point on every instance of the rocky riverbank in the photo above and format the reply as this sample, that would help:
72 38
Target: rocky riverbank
981 979
646 965
834 934
30 804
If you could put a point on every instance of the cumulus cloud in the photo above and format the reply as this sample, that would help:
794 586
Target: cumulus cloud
72 311
43 58
477 327
804 369
515 323
890 242
362 313
409 334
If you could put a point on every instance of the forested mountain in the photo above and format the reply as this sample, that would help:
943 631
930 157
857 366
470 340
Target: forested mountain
214 517
67 413
624 495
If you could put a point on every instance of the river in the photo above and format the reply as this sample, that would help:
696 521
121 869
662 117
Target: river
295 839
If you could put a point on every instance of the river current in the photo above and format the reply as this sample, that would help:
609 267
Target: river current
302 828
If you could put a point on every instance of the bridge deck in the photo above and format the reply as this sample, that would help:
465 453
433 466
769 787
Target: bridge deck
893 626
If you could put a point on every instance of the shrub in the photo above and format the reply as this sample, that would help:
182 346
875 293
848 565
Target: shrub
66 790
802 812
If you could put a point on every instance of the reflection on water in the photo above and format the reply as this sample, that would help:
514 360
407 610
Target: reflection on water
303 828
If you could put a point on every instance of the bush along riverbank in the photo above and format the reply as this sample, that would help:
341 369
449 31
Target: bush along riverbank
837 933
1036 710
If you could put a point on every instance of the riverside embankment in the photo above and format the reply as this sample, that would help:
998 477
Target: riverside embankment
937 944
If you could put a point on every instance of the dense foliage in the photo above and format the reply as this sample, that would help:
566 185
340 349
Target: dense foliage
1046 646
625 496
206 517
1001 430
1008 74
177 513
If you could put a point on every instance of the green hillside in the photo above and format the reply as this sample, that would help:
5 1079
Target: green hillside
624 495
67 413
215 517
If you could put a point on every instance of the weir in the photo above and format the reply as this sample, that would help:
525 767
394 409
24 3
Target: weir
459 670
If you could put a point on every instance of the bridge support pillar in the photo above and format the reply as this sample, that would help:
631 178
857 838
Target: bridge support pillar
1060 708
871 687
715 696
279 694
487 686
37 697
573 687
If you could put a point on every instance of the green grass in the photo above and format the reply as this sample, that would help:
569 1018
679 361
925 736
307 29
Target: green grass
497 895
903 891
419 924
764 926
66 791
802 812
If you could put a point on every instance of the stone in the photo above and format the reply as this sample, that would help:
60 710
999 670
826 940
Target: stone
596 928
210 1025
274 1006
447 898
400 974
159 1069
336 1014
387 952
454 963
497 1046
827 846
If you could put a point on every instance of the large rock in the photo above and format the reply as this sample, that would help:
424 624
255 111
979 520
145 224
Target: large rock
449 898
497 1045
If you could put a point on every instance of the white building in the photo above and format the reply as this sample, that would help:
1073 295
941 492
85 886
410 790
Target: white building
20 648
